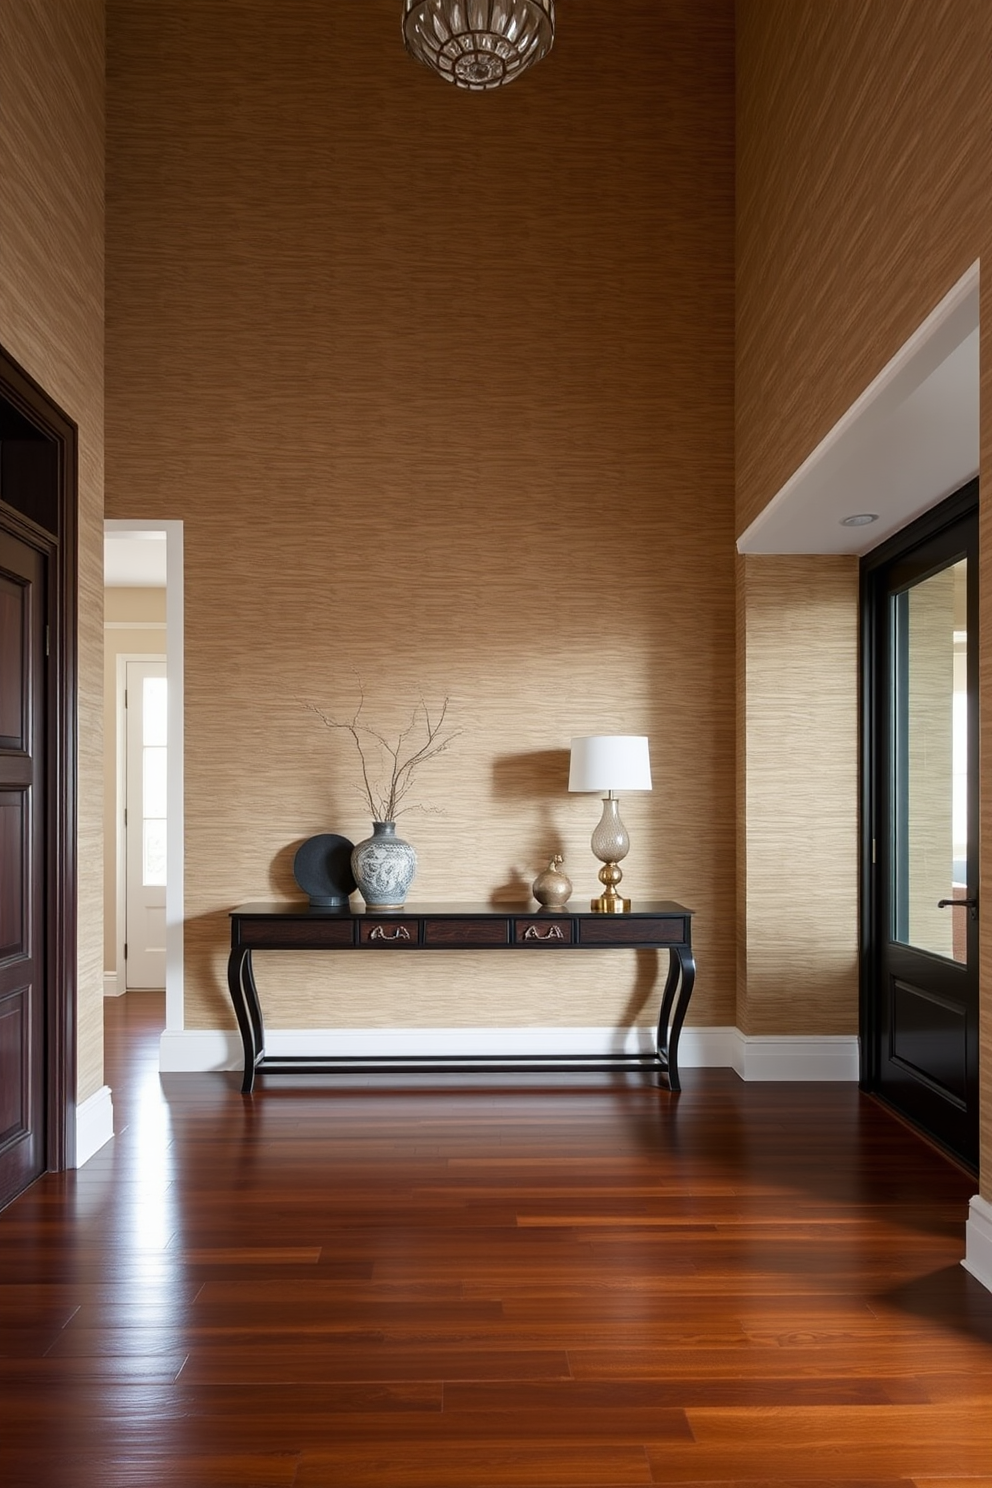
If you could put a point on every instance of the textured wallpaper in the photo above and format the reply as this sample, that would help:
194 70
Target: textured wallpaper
798 861
862 197
863 194
51 321
441 387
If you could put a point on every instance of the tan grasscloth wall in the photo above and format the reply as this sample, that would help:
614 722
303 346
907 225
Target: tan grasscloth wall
797 886
51 321
864 166
441 387
443 390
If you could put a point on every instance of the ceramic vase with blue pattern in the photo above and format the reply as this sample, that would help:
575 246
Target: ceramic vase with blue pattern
384 866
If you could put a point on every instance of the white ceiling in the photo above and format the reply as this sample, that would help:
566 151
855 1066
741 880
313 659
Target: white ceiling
134 560
910 440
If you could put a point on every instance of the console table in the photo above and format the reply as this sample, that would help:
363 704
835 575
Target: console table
447 927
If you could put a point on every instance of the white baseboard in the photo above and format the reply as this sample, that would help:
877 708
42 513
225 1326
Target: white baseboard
94 1124
978 1241
706 1048
763 1058
194 1050
784 1057
110 987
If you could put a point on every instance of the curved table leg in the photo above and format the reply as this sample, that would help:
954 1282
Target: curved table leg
254 1006
244 996
687 978
678 990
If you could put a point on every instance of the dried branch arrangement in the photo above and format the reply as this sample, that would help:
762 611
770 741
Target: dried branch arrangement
388 769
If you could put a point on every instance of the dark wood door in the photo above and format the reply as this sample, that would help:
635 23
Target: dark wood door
922 963
23 1096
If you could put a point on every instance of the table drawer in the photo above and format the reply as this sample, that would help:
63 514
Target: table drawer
620 930
544 932
296 935
456 932
398 934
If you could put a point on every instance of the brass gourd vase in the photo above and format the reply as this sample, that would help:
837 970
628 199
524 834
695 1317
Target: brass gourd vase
551 888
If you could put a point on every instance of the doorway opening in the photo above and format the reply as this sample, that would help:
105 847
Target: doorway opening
38 693
920 989
144 764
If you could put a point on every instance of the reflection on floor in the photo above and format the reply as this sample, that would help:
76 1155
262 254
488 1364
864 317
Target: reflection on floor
546 1283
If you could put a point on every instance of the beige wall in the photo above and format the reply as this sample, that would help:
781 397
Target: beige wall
798 736
134 624
51 321
862 175
863 194
441 387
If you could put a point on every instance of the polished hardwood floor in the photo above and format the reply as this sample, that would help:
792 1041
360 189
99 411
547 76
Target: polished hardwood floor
579 1283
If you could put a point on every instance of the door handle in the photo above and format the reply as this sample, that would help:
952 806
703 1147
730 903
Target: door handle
972 904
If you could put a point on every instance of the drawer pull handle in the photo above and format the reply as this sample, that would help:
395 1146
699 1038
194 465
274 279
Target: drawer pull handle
554 932
380 933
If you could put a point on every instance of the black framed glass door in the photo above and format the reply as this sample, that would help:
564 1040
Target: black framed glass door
920 961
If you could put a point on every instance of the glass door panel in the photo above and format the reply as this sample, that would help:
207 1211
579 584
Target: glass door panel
154 808
930 762
146 823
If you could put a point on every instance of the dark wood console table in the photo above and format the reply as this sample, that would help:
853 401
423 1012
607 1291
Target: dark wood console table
444 927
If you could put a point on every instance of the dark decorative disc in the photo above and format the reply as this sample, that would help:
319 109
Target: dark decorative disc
322 868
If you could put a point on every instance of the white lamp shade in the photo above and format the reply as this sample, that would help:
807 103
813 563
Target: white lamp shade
610 762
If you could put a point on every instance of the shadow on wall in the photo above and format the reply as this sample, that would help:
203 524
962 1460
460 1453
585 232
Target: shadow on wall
643 990
201 969
281 877
539 779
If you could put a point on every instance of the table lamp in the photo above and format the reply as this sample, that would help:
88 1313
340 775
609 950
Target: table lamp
610 763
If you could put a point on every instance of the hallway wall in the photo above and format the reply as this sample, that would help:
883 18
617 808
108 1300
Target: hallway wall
51 321
797 901
863 195
441 387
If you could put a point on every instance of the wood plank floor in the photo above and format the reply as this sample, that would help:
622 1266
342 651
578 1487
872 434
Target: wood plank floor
583 1283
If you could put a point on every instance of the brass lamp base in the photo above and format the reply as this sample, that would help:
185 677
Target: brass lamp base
610 902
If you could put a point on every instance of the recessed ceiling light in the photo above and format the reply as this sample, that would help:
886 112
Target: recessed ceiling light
859 519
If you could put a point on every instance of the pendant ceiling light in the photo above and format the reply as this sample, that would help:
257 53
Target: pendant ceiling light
479 44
